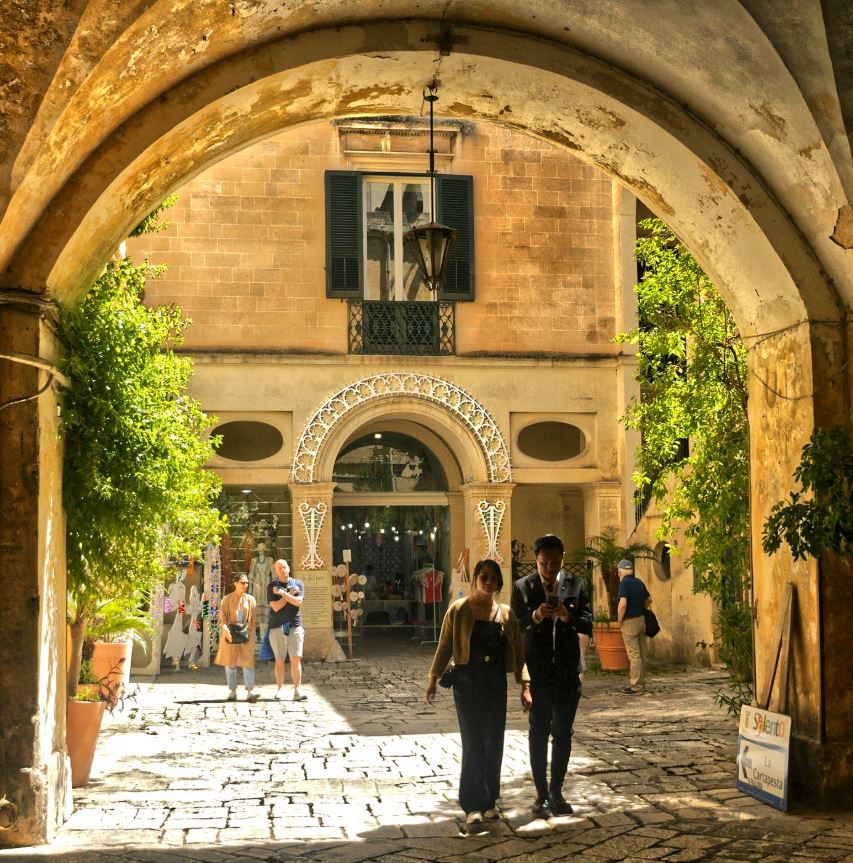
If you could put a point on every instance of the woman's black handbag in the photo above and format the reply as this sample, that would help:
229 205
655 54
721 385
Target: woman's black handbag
652 625
446 679
239 633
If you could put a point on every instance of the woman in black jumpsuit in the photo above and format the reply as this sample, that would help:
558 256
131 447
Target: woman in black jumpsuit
483 639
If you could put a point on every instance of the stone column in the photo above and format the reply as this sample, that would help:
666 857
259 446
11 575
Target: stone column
602 503
488 522
627 387
312 563
798 382
32 560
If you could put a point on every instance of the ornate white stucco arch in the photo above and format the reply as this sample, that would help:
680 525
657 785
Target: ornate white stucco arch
453 399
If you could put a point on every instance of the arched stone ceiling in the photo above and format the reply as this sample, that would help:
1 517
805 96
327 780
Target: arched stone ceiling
708 125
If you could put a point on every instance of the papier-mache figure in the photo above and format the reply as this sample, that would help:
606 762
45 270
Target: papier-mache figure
176 641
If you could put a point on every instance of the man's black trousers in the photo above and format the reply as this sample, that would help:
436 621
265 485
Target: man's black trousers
555 702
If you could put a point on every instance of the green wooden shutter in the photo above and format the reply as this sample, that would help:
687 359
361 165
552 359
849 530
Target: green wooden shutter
344 259
455 205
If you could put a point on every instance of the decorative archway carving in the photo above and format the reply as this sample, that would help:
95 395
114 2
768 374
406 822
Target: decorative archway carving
460 404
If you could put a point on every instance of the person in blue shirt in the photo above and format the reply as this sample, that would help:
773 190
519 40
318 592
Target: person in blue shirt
284 597
632 598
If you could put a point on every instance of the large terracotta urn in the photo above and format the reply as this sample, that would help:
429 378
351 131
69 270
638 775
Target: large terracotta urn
610 646
82 727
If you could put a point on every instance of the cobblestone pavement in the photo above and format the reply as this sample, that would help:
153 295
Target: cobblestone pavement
363 771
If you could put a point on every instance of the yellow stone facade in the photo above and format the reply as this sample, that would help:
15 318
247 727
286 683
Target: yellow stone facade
245 258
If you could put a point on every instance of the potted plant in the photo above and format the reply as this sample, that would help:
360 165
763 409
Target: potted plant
118 623
85 712
605 552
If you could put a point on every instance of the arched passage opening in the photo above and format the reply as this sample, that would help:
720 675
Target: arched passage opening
750 227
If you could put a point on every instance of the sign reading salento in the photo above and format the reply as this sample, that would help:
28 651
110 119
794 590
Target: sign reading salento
763 744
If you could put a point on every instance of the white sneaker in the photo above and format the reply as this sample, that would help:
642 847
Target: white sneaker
473 817
491 814
277 696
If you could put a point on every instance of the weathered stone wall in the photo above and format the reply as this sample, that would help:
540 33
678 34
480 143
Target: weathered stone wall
32 681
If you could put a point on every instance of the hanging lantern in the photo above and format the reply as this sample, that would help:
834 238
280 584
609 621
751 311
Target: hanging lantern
431 242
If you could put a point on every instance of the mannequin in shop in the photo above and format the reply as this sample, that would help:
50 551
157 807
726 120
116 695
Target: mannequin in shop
427 586
260 575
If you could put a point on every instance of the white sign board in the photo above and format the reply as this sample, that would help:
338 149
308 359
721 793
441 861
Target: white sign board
763 745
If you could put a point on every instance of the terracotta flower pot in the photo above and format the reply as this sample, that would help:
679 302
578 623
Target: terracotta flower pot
610 646
111 663
82 727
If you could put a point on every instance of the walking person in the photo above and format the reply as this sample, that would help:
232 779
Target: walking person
238 608
632 599
483 639
287 637
552 608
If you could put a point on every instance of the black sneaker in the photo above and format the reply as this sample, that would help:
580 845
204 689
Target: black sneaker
542 808
559 804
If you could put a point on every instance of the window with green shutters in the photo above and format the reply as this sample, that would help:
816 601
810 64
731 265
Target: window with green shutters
454 201
366 218
344 248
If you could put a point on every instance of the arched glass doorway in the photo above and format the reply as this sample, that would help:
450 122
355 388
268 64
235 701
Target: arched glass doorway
391 512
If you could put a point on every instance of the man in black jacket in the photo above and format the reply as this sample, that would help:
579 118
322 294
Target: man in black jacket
552 607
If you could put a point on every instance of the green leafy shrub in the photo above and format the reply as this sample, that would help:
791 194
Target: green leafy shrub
134 488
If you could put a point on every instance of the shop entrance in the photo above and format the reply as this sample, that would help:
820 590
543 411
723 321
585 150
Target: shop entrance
404 553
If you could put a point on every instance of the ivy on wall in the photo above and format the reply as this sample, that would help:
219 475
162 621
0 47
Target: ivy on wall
692 374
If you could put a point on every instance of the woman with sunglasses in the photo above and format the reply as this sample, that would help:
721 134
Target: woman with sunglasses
238 608
482 638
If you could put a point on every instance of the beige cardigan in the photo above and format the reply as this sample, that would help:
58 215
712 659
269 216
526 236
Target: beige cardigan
455 640
231 655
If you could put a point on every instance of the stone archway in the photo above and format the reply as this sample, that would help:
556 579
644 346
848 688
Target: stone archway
743 153
385 392
453 416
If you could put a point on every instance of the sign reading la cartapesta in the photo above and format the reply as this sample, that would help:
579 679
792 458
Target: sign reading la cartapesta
763 746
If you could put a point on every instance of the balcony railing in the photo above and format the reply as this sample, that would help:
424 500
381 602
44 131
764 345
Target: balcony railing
402 328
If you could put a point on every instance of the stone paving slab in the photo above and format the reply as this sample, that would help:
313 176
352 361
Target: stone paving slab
363 771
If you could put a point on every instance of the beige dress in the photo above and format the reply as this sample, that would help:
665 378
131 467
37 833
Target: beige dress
232 655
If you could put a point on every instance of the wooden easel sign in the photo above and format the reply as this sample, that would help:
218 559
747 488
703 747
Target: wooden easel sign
763 746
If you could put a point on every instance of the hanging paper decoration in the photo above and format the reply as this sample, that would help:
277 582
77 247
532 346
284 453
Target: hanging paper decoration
156 602
167 606
312 522
491 514
182 608
215 587
205 606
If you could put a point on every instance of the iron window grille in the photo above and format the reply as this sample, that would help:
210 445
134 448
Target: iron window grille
402 328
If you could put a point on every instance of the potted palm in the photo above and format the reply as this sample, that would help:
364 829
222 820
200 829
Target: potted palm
605 552
118 624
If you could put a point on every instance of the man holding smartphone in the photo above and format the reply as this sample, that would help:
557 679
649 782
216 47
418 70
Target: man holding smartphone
552 608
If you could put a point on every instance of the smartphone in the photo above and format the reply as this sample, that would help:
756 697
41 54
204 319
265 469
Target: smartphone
552 602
